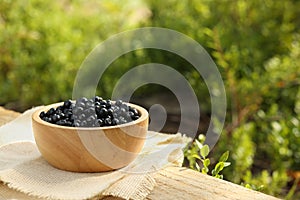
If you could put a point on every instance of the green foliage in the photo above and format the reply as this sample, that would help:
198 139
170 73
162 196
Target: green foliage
243 150
197 152
43 44
266 182
292 191
256 45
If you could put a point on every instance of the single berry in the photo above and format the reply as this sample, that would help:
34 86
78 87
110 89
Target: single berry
115 121
83 123
103 113
97 99
43 114
55 118
119 102
67 104
107 121
51 111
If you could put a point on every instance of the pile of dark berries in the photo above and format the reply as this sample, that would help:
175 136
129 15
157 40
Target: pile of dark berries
94 112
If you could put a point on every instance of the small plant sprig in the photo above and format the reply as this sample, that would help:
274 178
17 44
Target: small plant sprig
197 153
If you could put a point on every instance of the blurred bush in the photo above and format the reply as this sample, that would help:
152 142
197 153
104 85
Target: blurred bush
43 44
256 45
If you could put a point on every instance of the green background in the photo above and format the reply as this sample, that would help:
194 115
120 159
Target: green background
255 44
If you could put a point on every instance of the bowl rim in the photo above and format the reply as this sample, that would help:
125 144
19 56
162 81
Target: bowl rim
35 117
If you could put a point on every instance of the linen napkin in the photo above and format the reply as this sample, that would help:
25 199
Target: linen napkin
26 175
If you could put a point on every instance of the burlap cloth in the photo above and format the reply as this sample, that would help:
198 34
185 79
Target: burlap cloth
24 174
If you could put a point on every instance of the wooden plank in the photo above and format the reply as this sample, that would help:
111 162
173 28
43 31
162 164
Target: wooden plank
182 183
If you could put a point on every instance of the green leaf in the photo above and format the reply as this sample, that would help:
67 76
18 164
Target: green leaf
204 151
248 186
226 164
218 176
204 170
206 162
219 167
213 173
195 156
224 156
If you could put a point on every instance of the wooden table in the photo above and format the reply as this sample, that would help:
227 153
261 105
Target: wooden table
180 182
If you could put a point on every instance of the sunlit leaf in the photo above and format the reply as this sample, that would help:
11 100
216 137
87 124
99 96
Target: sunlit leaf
224 156
219 167
206 162
226 164
204 151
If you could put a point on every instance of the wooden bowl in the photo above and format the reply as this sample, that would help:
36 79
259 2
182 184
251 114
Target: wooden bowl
96 149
